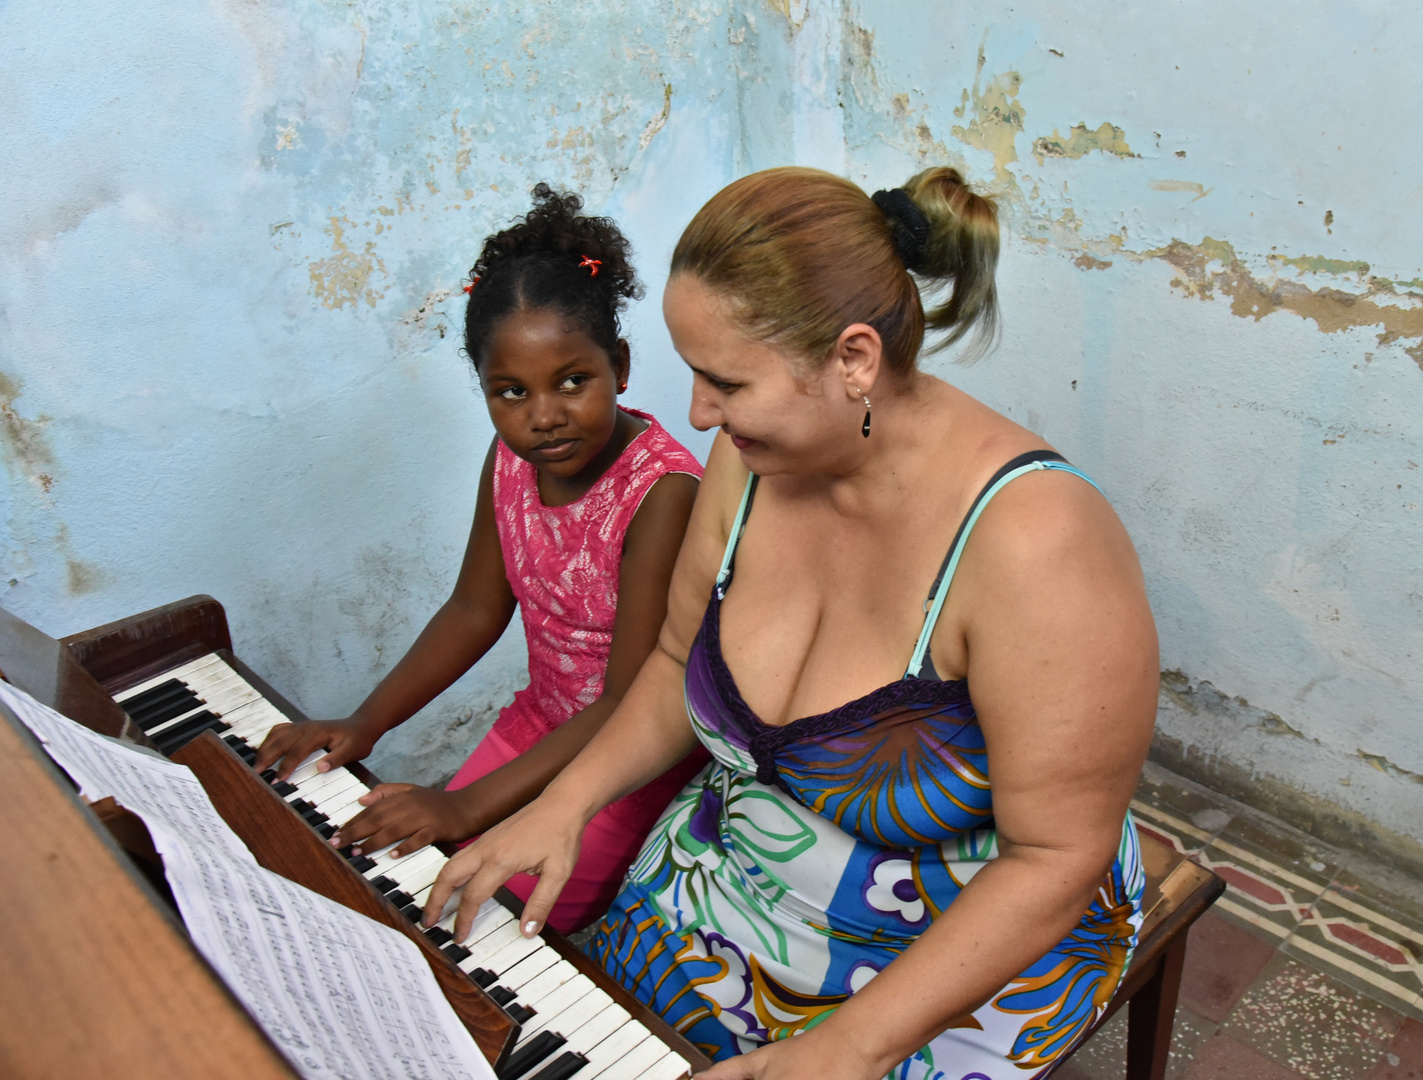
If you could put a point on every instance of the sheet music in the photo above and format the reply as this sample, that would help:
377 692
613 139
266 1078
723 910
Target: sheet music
344 997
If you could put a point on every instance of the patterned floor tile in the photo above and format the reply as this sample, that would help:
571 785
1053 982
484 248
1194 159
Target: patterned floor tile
1222 961
1104 1056
1311 1023
1225 1059
1273 874
1365 946
1403 1060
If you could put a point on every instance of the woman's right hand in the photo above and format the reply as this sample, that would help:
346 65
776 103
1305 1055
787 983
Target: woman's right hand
541 840
288 745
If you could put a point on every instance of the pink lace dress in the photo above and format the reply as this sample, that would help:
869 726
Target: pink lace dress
563 565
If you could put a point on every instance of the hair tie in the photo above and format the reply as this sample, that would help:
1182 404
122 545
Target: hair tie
470 287
592 265
911 227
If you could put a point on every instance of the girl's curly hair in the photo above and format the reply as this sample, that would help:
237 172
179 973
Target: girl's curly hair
535 264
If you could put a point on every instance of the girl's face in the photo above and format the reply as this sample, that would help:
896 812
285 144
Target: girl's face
783 418
552 391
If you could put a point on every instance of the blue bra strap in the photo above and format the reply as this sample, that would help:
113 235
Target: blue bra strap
940 590
723 576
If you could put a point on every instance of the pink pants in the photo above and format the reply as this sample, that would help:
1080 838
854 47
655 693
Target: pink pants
609 848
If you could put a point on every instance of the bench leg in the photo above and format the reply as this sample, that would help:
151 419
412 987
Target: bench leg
1150 1015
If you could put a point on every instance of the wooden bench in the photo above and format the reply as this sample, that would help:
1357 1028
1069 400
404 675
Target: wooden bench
1178 892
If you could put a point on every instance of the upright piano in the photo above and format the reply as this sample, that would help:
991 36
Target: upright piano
97 975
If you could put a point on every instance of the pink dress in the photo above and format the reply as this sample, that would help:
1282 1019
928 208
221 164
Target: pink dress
562 563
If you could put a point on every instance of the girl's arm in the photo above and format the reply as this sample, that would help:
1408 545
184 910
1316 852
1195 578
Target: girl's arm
420 816
645 736
463 630
1063 665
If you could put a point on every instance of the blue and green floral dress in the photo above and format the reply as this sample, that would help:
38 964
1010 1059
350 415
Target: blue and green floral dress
807 856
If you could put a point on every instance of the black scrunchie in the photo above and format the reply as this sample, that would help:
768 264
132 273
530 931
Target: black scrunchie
911 227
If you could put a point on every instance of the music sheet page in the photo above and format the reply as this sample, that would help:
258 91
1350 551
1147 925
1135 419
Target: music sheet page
343 997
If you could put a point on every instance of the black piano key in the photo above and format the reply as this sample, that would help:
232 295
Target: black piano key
151 718
483 977
315 818
269 775
384 884
521 1014
562 1067
301 806
400 899
457 953
327 830
360 863
502 995
530 1054
439 935
413 911
155 695
175 738
284 788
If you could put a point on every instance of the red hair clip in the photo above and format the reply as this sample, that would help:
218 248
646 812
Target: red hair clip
592 265
470 287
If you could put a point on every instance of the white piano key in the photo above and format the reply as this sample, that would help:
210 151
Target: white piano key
486 923
168 676
421 879
556 1006
486 946
528 969
307 769
610 1050
672 1066
518 949
337 792
451 913
212 676
607 1020
318 783
182 718
547 981
641 1056
339 816
581 1009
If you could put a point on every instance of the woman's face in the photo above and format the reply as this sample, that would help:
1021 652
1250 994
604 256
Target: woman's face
783 417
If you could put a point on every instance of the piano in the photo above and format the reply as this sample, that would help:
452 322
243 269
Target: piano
167 679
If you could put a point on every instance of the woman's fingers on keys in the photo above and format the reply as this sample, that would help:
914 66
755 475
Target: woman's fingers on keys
452 876
540 903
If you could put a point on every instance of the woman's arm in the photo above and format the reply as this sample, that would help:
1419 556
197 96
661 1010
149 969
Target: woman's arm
645 736
419 816
463 630
1063 665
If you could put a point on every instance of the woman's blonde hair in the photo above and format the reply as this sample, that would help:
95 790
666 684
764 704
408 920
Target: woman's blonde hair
801 254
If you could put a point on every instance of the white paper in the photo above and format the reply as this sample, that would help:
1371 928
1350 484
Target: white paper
344 997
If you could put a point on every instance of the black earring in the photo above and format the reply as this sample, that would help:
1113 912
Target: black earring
865 427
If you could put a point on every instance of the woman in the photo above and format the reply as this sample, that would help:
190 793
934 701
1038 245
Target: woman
916 881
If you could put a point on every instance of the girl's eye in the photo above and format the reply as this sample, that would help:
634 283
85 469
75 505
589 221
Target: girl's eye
512 393
573 382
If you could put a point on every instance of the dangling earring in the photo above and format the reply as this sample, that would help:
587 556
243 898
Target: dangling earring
865 427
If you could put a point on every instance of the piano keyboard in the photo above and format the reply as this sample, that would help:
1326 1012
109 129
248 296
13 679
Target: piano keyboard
569 1026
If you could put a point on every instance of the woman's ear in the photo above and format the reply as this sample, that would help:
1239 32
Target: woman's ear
622 364
859 354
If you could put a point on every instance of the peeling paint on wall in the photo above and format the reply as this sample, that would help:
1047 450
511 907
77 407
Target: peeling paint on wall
995 117
1399 318
1081 141
344 277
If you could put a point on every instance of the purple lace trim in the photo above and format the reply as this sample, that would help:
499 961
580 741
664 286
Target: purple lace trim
765 741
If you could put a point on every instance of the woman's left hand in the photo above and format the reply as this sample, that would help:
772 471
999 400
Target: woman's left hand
405 813
796 1058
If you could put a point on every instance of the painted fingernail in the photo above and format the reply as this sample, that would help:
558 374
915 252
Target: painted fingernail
531 928
355 851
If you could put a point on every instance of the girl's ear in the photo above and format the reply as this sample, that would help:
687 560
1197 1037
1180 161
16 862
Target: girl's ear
622 364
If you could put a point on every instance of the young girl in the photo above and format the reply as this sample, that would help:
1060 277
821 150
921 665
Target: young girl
581 509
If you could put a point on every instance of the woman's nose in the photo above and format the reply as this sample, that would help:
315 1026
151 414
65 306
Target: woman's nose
704 413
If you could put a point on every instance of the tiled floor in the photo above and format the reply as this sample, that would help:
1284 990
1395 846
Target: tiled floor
1310 967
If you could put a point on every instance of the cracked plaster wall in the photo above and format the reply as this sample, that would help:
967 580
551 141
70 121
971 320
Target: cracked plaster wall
234 236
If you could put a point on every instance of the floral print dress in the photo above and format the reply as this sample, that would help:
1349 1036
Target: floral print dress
808 856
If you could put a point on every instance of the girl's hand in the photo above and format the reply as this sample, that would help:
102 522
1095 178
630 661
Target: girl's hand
794 1059
403 813
542 839
288 745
